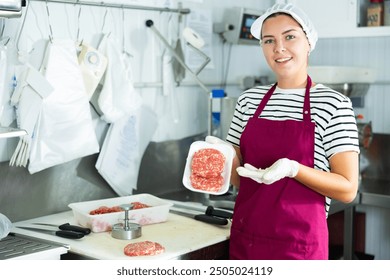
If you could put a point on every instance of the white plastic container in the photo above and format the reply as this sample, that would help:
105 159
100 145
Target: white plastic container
157 213
223 148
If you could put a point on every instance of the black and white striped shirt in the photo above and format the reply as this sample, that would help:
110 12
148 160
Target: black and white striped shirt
331 111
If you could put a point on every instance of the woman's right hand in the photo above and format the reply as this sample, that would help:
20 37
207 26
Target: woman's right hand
234 177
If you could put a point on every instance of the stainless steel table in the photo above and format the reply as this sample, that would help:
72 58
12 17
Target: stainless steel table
372 192
349 211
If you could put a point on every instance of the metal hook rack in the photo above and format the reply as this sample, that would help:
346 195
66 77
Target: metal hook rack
150 24
119 6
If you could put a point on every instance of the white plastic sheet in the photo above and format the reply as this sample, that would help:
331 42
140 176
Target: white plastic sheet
7 114
65 130
118 97
28 98
4 96
123 149
5 226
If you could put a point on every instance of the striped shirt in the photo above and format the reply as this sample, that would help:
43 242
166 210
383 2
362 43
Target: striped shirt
331 111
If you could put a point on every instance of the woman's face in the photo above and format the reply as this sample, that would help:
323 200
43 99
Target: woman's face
285 47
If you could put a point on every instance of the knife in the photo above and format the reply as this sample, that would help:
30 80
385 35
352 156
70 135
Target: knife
202 217
209 210
68 226
61 233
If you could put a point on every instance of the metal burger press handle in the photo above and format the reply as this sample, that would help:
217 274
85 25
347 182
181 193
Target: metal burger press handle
126 230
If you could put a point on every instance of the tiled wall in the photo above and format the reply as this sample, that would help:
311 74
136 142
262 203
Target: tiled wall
370 52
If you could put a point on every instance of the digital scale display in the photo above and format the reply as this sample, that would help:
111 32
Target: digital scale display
241 19
247 21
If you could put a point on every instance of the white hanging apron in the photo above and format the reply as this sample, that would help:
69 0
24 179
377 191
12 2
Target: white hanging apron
117 97
65 130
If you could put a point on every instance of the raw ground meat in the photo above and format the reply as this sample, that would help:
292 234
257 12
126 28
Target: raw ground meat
206 170
113 209
143 248
105 210
208 163
212 184
139 205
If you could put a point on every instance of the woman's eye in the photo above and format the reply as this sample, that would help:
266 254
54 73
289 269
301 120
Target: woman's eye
289 37
268 41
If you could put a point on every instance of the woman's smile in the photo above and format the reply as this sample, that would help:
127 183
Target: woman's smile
283 59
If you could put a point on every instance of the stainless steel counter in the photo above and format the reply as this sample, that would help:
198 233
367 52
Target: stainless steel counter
375 192
372 192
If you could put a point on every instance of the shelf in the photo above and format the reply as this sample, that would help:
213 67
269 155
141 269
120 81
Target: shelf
380 31
372 31
346 16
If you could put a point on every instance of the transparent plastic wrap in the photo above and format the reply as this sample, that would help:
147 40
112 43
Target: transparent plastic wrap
5 226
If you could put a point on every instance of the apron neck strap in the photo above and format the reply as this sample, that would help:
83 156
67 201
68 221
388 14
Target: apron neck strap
306 103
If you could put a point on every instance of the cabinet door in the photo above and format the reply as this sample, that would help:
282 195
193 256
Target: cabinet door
331 18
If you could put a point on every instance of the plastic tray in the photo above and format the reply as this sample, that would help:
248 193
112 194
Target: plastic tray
223 148
157 213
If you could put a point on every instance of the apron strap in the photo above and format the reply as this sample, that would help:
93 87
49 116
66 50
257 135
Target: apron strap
306 103
264 101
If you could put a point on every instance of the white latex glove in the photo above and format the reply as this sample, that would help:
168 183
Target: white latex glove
215 140
249 171
280 169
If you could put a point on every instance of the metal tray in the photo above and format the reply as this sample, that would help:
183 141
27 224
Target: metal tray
17 246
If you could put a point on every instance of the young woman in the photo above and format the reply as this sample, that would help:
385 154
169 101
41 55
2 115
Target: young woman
297 147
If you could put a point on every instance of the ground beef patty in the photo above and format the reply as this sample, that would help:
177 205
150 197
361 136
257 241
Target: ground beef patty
212 184
143 248
207 166
207 163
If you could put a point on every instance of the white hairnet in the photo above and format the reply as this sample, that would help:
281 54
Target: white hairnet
296 13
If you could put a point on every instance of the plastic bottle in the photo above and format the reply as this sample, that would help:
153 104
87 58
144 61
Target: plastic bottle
375 13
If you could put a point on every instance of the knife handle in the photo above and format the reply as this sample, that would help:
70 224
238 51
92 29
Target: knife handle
70 227
211 219
69 234
219 213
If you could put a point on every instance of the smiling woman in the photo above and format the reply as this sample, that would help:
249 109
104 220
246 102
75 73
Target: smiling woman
297 146
286 50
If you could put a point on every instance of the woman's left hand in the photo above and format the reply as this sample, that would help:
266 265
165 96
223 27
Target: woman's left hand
280 169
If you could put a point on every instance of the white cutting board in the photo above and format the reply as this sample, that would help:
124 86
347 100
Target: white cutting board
179 235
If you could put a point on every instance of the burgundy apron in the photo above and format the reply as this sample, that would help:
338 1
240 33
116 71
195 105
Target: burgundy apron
284 220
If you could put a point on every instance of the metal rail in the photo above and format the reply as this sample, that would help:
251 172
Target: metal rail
149 23
117 5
